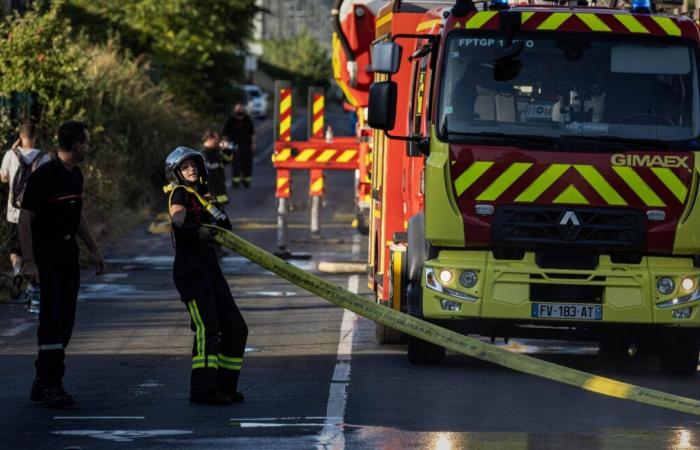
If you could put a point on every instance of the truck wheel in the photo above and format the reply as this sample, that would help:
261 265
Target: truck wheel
417 251
362 217
421 352
387 335
679 352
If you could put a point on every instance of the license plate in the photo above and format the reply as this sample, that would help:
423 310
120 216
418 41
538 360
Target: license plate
567 311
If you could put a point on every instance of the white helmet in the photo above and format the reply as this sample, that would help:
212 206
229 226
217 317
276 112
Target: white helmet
175 160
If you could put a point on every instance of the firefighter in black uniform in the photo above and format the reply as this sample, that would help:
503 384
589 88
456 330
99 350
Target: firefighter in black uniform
239 128
220 331
215 163
50 218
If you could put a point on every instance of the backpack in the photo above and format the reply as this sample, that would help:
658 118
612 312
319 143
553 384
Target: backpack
20 180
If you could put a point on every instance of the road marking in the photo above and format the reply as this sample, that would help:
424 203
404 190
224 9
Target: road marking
99 417
18 329
354 284
332 436
268 419
355 247
276 425
122 435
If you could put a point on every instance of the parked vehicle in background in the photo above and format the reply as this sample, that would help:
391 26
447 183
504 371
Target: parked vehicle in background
255 100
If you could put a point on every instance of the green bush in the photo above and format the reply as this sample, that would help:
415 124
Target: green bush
133 123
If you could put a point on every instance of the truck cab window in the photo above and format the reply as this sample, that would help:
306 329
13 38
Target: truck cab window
636 88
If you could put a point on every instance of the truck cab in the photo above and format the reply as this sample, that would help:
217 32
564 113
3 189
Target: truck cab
557 151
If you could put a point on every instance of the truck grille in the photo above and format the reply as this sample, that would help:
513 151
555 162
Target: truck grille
598 230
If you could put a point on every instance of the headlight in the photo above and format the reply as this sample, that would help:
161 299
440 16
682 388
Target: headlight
445 276
665 285
468 279
432 283
688 284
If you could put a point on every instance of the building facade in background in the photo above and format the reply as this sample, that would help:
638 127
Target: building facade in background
287 18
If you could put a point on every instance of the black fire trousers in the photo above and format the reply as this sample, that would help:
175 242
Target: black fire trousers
242 167
220 330
59 276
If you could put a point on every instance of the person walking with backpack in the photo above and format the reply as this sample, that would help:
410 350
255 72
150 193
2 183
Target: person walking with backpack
20 161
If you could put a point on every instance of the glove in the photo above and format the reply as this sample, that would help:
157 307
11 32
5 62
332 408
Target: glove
224 223
206 235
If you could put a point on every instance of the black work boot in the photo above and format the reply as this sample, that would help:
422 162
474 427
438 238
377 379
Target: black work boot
55 396
236 397
37 394
209 398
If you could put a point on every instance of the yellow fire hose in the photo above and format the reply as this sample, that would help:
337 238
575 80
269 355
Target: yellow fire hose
450 339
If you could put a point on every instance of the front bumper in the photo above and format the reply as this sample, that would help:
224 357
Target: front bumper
504 287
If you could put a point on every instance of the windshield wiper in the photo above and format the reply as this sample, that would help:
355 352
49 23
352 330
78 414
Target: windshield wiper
648 144
510 139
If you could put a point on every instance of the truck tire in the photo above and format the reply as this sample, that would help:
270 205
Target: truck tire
388 336
362 217
417 251
680 351
423 353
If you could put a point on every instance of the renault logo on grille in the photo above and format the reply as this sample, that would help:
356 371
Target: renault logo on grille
569 225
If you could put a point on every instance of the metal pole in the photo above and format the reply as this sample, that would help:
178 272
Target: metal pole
316 216
282 224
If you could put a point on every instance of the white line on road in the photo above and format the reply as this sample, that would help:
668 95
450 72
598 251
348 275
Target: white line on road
332 436
276 425
17 330
99 417
268 419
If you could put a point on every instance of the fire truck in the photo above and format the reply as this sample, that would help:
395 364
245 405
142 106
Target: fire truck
353 33
536 174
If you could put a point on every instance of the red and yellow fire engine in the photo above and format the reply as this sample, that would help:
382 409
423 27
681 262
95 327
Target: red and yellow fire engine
537 173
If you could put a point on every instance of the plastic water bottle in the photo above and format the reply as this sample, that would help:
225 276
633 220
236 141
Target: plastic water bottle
33 295
329 134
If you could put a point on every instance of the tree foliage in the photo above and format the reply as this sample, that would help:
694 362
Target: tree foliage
133 123
301 56
38 57
192 44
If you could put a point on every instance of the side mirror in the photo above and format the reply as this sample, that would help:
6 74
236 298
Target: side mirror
382 105
386 57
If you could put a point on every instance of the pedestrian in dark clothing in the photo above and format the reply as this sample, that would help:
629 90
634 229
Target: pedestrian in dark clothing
50 218
220 331
239 128
215 163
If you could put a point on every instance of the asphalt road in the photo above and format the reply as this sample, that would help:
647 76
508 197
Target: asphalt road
313 376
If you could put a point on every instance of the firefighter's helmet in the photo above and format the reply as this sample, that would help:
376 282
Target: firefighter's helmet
175 160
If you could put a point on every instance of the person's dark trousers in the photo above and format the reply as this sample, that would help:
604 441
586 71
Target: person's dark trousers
242 168
220 331
59 273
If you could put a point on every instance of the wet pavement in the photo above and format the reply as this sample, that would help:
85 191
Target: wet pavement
313 375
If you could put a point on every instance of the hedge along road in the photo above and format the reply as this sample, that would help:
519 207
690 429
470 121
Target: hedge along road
450 339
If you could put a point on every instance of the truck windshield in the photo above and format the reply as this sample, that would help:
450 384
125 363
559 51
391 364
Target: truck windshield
588 88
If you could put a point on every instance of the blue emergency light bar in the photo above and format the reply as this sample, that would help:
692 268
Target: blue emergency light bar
641 6
499 4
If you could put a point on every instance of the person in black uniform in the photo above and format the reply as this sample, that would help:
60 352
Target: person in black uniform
220 331
239 128
50 218
215 163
